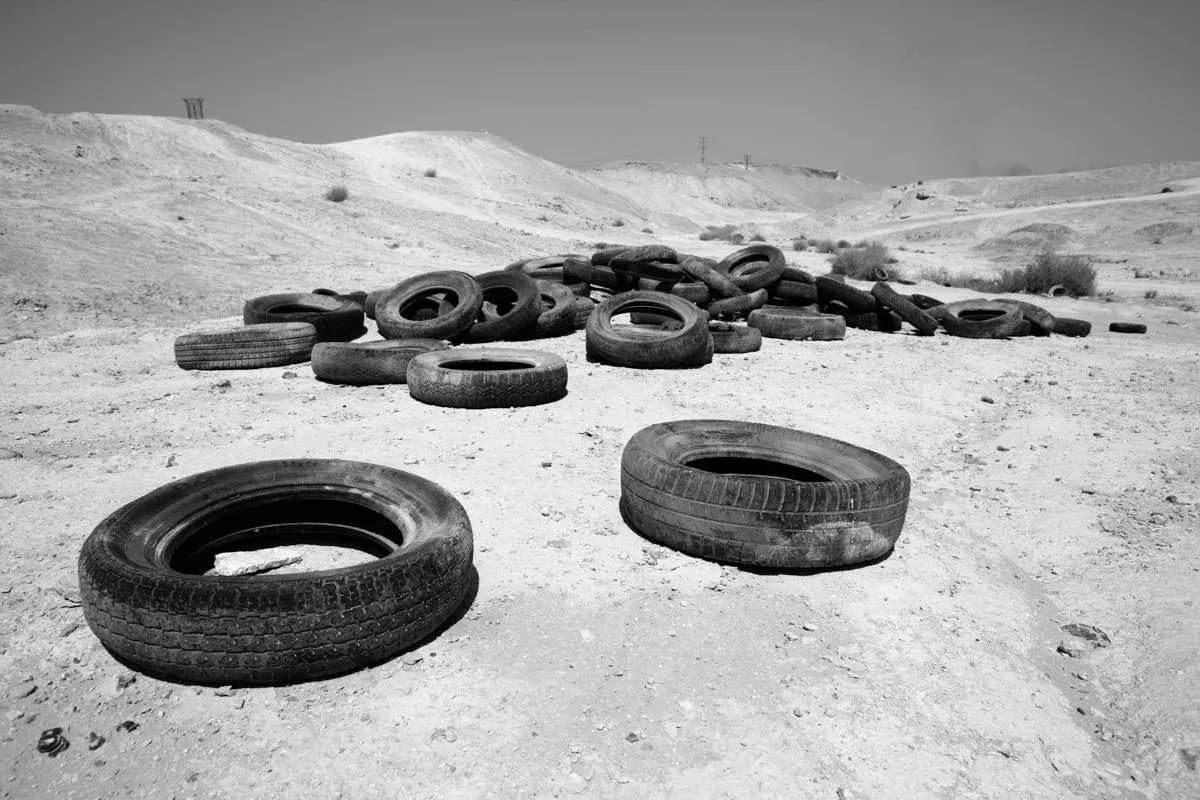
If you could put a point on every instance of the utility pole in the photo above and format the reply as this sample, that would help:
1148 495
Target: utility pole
703 147
746 160
195 107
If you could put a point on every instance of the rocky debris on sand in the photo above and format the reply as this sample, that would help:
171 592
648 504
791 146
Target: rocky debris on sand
253 562
1091 633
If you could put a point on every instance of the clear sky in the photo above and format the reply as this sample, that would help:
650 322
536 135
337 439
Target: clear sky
884 90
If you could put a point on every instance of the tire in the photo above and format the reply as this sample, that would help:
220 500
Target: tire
326 292
657 321
684 347
487 378
693 292
924 302
392 311
271 344
830 289
582 308
518 305
797 275
654 270
369 363
141 602
1127 327
579 289
742 304
794 292
1041 321
558 311
357 297
719 285
735 338
1023 329
550 268
890 298
1075 328
813 502
600 258
754 267
372 299
779 324
881 321
651 252
991 320
577 270
335 319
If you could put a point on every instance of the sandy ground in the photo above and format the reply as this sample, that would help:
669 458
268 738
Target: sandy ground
1054 483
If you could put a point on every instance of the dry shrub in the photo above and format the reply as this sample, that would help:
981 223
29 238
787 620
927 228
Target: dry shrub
337 194
860 263
1074 273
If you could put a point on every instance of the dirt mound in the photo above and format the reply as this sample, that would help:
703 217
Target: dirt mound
1163 230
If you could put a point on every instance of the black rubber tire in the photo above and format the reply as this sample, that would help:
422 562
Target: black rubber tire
691 291
754 267
1001 325
890 298
487 378
651 252
601 257
369 363
453 319
924 302
794 292
326 292
1023 329
577 270
335 319
357 297
550 268
373 298
1041 321
851 510
1127 327
683 347
742 304
271 344
518 305
719 285
654 270
797 275
582 308
558 311
880 321
734 338
658 321
145 607
776 323
830 289
579 289
1075 328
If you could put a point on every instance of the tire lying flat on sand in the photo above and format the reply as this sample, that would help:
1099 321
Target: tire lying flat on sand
734 338
761 495
336 319
981 319
369 363
490 377
797 324
269 344
689 346
145 600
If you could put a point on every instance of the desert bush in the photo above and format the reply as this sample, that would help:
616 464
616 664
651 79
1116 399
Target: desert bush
337 194
842 244
1074 273
800 245
962 280
758 237
431 173
1150 294
860 263
618 223
824 245
711 232
647 230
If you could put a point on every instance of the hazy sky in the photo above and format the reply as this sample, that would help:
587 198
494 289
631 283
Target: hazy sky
885 90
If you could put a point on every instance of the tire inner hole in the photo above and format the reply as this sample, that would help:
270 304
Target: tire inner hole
325 533
754 468
501 300
981 315
427 305
484 366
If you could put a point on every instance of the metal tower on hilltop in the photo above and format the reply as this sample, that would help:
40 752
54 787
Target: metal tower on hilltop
195 107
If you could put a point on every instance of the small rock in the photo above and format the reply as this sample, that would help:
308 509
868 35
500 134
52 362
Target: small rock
1172 498
225 384
68 629
987 399
95 741
1005 749
129 726
1190 756
1083 676
125 680
253 562
633 736
798 711
791 637
1097 637
1002 448
22 690
808 626
8 455
444 735
170 460
1052 383
1068 648
289 375
546 464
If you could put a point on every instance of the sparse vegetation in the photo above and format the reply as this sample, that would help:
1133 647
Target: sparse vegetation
1074 274
431 173
861 263
647 230
337 194
758 237
842 244
723 232
824 245
618 223
800 245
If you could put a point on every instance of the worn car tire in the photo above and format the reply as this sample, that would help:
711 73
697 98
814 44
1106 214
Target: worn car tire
334 318
145 599
719 285
683 347
517 304
369 363
776 323
1041 321
582 308
270 344
754 267
1075 328
1127 327
830 289
904 308
743 304
491 377
761 495
981 319
460 301
734 338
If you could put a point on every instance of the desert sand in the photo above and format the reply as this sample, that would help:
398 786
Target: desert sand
1054 484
